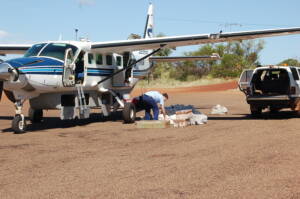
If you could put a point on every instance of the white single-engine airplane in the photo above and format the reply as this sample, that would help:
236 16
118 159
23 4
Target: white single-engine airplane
75 76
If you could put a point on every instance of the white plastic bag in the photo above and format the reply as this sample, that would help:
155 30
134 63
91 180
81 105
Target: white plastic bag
198 119
219 110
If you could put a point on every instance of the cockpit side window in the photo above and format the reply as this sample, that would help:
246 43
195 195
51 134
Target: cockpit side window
34 50
57 50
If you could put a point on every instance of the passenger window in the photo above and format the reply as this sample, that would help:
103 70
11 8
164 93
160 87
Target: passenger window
119 60
91 58
295 74
109 60
99 59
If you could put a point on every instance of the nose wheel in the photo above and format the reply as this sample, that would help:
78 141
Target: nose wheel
18 123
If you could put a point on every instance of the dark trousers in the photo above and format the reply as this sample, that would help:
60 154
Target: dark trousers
148 103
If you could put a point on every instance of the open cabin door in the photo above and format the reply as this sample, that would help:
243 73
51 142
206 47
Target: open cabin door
68 78
245 79
118 80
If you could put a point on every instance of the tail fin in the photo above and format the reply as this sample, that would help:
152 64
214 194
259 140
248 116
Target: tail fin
148 33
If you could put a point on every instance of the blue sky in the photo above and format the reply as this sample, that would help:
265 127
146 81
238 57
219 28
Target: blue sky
31 21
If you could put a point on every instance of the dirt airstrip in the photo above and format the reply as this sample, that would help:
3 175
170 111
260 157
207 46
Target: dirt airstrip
232 156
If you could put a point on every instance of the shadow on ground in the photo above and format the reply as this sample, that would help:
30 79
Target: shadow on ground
55 122
282 115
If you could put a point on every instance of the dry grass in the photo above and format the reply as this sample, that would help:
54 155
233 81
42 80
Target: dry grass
171 83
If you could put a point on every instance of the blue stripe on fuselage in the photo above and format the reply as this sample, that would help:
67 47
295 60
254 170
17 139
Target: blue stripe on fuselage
42 70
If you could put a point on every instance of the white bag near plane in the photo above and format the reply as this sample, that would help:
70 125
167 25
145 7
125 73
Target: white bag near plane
219 110
198 119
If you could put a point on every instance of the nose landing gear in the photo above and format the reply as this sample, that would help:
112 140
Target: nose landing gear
19 123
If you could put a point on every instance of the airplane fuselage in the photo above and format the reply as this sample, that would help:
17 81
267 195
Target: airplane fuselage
44 73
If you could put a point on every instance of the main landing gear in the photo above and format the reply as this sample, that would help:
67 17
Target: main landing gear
35 115
129 113
19 123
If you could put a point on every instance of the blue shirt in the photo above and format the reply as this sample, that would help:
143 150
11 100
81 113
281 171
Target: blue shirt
158 98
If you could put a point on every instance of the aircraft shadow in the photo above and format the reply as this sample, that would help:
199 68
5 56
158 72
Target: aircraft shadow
56 122
6 117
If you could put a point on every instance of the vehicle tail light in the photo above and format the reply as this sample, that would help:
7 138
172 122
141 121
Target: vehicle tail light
293 90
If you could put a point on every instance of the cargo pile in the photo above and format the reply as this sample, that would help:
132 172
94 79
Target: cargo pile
183 115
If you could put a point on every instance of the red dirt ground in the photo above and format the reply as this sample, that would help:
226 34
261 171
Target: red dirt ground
204 88
232 156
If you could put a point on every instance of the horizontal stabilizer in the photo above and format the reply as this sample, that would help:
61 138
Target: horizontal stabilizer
185 58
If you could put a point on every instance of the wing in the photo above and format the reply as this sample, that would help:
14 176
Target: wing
184 58
172 42
14 48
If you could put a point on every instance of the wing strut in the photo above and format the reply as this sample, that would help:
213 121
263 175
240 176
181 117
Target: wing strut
131 65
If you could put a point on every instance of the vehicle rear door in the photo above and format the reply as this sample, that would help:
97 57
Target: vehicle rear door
245 79
296 76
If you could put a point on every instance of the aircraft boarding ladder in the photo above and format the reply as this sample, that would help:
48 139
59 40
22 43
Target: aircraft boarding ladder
84 110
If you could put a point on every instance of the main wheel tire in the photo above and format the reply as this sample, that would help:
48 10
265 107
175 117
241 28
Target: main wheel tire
129 113
35 115
19 124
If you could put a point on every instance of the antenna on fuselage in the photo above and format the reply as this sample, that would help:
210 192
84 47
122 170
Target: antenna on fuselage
76 34
60 37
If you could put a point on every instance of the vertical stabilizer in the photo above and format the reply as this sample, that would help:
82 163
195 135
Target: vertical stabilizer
148 33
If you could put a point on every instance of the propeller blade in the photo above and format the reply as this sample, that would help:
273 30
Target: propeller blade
1 89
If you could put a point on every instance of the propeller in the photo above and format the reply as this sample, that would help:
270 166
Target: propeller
7 73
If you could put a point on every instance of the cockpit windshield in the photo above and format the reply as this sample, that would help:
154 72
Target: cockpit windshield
34 50
57 50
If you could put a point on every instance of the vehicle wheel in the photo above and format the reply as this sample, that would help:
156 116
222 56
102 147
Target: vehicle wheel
129 113
19 124
35 115
255 111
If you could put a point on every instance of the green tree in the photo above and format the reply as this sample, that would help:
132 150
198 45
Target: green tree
290 62
236 56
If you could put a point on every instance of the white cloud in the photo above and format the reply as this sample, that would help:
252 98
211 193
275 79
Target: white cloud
86 2
3 34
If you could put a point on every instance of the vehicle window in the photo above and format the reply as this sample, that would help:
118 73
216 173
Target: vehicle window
99 59
109 60
119 60
57 50
91 58
34 50
246 76
295 74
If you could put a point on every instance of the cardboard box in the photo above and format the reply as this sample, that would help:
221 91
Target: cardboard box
152 124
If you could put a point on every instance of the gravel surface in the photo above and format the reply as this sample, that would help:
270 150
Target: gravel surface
233 156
